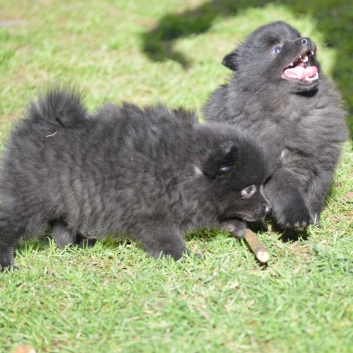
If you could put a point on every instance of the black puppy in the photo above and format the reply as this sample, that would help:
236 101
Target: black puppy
279 95
150 173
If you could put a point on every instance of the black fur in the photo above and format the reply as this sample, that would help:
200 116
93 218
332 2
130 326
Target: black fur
150 173
300 121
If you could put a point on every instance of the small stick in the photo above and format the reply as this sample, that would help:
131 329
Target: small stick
257 248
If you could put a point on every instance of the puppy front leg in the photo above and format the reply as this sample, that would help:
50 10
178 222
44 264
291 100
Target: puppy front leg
64 236
164 241
6 256
12 228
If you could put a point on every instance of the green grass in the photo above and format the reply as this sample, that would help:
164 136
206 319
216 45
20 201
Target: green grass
114 298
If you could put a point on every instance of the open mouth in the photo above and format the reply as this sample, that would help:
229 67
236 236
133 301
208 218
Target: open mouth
300 70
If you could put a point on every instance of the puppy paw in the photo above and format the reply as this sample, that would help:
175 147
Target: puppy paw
194 254
297 217
235 227
84 242
8 268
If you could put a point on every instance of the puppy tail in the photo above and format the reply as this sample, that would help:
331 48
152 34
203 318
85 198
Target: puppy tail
60 106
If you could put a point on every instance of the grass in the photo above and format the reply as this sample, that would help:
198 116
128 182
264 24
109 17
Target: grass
114 298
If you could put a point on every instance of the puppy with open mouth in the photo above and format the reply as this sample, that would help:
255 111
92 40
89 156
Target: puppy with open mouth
279 94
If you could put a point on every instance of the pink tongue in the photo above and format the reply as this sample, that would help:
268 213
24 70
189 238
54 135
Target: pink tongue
301 72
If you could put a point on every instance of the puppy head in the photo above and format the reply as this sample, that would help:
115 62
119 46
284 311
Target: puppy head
234 172
276 55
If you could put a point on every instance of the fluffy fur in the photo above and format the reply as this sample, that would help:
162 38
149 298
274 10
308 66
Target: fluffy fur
150 173
279 95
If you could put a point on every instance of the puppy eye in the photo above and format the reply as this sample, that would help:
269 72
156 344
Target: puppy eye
223 169
248 192
276 49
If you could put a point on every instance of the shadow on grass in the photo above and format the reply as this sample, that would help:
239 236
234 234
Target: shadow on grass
334 20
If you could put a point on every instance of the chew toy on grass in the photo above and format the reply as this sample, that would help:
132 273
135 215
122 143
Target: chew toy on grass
257 248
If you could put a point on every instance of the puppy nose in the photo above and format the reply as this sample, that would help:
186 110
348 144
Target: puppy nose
305 41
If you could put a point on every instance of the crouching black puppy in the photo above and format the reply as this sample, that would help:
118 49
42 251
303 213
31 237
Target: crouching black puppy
279 95
150 173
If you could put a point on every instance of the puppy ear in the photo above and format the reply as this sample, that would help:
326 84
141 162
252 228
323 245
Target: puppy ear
220 161
230 60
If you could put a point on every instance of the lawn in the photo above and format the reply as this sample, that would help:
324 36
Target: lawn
113 297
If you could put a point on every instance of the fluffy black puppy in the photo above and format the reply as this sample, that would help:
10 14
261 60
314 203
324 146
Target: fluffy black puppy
151 173
279 95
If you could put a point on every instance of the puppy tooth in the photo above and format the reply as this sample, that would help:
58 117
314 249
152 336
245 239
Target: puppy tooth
300 228
296 225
